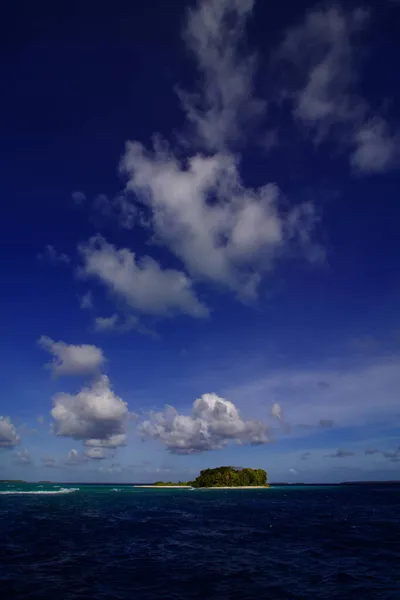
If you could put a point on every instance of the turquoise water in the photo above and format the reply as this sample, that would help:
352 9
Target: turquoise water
119 542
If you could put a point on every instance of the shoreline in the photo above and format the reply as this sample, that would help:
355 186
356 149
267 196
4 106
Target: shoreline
162 487
237 487
189 487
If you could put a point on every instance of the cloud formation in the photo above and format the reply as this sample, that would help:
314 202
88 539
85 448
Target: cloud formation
225 106
8 433
22 458
359 394
74 458
213 423
377 149
141 283
97 453
233 239
70 359
322 52
95 414
117 324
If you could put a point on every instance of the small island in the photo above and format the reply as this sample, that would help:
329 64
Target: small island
222 478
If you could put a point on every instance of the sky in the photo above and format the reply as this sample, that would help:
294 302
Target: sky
199 240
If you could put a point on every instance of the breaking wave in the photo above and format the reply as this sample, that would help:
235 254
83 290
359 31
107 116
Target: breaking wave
44 492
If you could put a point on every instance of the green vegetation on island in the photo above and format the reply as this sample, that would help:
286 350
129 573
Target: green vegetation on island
224 477
170 483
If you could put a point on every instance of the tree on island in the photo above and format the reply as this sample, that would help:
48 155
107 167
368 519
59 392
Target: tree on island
225 477
230 477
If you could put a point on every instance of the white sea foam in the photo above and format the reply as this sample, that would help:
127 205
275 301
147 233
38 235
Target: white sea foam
44 492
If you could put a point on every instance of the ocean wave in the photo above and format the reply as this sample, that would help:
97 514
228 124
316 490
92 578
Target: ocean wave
45 492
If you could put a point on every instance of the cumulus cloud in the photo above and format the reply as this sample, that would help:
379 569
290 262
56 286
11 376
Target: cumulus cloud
74 458
305 456
8 433
370 451
51 255
97 453
340 453
276 411
95 414
22 458
141 283
230 240
70 359
376 148
113 441
213 423
225 106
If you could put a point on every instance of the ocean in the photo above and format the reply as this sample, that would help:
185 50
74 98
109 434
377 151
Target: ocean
71 542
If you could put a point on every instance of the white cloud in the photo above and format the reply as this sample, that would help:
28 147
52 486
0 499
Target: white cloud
95 413
74 458
116 323
321 52
356 395
141 283
8 433
225 106
377 149
70 359
51 255
106 323
221 230
22 458
213 423
276 411
97 453
113 441
87 301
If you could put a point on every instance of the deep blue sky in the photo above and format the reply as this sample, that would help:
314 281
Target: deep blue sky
282 302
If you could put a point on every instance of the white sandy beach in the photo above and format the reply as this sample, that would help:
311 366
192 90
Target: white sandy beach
241 487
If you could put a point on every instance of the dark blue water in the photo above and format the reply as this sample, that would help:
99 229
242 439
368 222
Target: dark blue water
308 543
